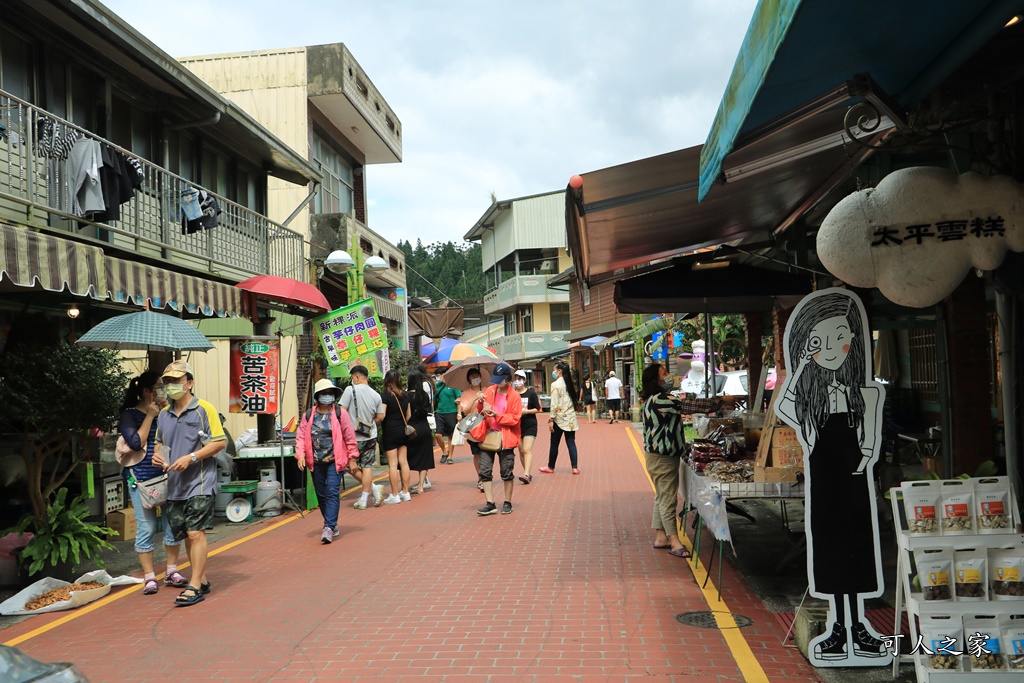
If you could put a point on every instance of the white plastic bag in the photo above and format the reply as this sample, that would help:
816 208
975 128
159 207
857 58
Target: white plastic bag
16 604
458 438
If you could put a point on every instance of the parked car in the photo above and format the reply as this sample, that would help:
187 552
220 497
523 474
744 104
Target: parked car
18 667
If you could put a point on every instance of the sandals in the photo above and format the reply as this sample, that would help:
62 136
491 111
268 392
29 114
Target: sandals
575 470
205 587
444 459
526 478
184 599
545 470
176 580
151 587
679 552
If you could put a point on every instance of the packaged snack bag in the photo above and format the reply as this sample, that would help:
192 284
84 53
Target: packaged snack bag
992 498
942 635
935 572
957 507
921 502
971 579
983 635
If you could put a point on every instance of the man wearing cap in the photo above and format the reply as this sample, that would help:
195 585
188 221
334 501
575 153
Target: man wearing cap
189 434
503 409
613 393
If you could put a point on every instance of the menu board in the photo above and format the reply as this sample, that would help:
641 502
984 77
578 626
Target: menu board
353 335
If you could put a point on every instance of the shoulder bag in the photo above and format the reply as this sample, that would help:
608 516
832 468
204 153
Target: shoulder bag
363 429
410 431
152 492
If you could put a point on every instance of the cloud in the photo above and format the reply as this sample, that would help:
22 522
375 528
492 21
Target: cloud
506 97
918 233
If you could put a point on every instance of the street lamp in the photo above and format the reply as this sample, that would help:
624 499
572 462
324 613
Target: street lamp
353 266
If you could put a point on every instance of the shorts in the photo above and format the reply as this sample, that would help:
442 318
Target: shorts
194 514
367 453
615 404
588 401
529 430
506 464
445 423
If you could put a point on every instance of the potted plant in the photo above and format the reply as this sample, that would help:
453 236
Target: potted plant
62 540
53 396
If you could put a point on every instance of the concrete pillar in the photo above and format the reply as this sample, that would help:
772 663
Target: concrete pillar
754 352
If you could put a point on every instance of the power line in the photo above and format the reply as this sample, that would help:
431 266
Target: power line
423 277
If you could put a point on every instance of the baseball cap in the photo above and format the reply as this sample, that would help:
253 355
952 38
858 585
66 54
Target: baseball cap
611 373
502 371
521 373
178 368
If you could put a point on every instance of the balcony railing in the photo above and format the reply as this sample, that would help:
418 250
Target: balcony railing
529 344
34 185
524 289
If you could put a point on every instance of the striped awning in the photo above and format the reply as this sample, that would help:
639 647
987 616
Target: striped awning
137 283
33 259
36 260
386 308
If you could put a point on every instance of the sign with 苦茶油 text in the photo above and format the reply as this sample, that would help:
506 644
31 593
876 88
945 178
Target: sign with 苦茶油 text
255 365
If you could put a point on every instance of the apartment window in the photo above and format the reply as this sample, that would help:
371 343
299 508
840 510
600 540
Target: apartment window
924 375
16 65
132 127
526 318
510 324
336 191
560 317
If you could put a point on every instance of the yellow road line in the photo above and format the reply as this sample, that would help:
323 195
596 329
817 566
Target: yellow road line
82 611
738 646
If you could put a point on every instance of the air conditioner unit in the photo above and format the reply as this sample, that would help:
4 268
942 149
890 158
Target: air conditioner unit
549 266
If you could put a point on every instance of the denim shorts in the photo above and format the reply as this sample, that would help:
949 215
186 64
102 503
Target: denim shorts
145 525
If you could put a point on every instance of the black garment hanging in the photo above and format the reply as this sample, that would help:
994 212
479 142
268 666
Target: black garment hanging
208 205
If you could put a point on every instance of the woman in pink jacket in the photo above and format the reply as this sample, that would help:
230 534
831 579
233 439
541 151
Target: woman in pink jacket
324 443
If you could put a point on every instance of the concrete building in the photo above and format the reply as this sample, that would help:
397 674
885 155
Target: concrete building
322 103
523 244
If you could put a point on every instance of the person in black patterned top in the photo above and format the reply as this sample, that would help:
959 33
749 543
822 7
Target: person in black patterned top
664 442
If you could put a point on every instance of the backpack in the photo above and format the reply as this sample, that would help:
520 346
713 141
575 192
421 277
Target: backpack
309 413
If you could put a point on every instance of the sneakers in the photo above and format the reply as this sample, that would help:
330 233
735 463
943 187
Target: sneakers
335 534
488 509
405 496
393 499
359 505
327 536
506 508
545 470
426 485
378 494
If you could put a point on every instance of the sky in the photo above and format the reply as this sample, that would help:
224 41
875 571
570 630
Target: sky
510 98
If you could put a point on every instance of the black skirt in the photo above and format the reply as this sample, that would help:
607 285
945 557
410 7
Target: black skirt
841 508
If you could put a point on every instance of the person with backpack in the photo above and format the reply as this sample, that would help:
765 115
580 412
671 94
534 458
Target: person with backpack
325 442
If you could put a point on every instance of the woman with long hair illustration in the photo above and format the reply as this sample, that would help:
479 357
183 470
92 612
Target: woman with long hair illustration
834 405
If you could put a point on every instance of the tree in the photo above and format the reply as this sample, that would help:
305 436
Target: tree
52 397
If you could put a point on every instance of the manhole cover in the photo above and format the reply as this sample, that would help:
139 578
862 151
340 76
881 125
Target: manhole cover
707 619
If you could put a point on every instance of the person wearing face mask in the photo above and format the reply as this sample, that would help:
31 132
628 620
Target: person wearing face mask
527 425
472 400
664 444
188 436
448 413
325 442
143 401
502 409
563 418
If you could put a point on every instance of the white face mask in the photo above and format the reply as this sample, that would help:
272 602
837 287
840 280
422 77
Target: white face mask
476 381
518 384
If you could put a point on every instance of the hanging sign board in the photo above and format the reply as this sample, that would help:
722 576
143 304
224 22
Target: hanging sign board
255 367
353 335
921 231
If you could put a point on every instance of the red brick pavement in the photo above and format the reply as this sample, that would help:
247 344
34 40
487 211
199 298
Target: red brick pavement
567 588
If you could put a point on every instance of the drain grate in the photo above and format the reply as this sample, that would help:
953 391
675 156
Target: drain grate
707 619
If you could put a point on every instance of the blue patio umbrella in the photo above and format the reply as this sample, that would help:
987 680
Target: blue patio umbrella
146 331
429 348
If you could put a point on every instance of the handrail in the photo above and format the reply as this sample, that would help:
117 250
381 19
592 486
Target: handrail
244 243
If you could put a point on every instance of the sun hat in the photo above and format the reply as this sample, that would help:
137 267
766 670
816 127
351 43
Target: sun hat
502 371
326 385
178 368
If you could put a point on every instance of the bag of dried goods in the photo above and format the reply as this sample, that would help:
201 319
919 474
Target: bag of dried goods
957 507
971 579
983 651
992 497
1006 569
921 501
1013 642
942 635
935 571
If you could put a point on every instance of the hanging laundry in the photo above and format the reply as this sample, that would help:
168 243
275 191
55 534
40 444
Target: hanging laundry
208 209
119 180
83 177
190 204
56 139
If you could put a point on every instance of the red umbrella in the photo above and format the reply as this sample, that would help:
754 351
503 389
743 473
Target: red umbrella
287 290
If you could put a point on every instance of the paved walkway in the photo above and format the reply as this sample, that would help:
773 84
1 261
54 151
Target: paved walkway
567 588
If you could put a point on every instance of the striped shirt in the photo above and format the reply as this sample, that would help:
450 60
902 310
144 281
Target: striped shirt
663 421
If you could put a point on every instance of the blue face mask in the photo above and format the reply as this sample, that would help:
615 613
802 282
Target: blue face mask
325 399
554 374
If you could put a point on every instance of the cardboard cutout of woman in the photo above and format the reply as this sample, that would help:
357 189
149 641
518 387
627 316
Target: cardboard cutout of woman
831 400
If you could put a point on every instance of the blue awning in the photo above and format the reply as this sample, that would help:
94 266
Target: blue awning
796 51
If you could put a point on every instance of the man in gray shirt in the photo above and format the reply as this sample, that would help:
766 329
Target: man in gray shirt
367 411
188 435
